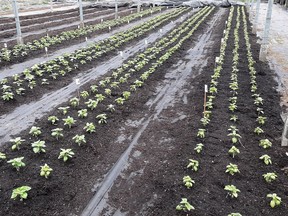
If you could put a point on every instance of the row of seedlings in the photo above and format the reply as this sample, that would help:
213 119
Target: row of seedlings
261 119
23 50
85 109
46 73
193 164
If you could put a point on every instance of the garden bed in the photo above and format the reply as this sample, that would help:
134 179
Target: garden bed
160 121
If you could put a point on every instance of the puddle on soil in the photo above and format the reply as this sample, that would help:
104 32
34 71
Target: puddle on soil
165 96
181 117
148 204
20 67
28 113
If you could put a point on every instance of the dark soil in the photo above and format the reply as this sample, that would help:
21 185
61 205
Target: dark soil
68 189
159 180
40 90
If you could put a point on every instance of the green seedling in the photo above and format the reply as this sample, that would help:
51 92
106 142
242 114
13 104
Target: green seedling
276 200
269 177
89 127
188 181
82 113
64 110
102 118
45 171
111 107
38 146
2 156
199 148
193 164
20 192
57 133
258 130
35 131
53 119
232 169
266 158
265 143
232 190
69 121
16 143
233 151
65 154
17 163
261 120
201 133
184 205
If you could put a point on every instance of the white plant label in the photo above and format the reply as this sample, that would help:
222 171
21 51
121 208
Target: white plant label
5 45
128 21
206 88
86 39
182 18
224 31
217 59
160 30
78 26
46 49
109 28
77 81
146 42
222 40
101 20
121 53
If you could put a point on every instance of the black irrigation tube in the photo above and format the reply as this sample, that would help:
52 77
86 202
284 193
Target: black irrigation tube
91 208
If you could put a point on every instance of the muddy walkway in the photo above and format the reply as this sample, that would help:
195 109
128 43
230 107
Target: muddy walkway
24 116
172 90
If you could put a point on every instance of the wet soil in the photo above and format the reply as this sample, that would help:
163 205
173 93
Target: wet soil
152 181
83 70
157 164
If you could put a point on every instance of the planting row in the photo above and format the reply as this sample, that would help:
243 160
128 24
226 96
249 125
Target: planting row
235 150
46 73
20 51
95 105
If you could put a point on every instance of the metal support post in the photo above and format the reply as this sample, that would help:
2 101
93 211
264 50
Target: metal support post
264 45
256 17
138 6
116 9
18 27
81 14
